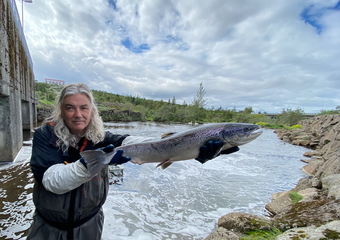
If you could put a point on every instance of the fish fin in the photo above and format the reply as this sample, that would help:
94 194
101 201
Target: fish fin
167 134
219 150
95 161
164 164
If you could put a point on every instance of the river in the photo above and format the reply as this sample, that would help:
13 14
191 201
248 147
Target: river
183 201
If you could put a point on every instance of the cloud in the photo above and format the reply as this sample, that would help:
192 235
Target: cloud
265 54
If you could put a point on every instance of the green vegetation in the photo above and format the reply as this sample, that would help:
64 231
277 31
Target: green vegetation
46 93
295 197
262 235
115 107
278 126
330 112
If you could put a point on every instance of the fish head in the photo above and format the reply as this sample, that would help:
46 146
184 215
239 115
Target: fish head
237 134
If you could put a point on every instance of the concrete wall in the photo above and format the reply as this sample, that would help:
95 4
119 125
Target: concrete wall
17 92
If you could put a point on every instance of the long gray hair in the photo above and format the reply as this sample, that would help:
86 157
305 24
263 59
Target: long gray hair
95 129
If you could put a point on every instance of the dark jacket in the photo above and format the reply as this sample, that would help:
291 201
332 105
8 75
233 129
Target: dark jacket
76 214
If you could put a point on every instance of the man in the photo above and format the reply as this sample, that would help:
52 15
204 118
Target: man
68 204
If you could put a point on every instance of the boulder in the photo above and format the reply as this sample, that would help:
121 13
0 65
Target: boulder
222 234
312 167
328 231
315 153
308 194
303 184
244 222
331 166
332 184
303 214
279 203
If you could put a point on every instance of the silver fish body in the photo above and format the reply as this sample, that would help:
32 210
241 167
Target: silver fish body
178 146
186 144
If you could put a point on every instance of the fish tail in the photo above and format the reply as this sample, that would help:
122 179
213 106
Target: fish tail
96 160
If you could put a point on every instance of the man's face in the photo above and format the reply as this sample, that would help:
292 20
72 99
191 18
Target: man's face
76 111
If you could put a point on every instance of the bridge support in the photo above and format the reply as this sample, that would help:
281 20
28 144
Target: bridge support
10 127
17 91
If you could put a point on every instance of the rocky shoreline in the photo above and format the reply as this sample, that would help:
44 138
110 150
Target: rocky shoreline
316 214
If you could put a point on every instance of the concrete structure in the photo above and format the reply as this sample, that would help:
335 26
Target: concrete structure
54 81
17 85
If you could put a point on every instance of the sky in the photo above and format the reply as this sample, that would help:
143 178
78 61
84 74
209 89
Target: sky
264 54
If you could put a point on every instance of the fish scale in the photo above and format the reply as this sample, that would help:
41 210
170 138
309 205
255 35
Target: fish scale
178 146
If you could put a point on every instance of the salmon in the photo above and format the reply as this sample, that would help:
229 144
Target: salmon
183 145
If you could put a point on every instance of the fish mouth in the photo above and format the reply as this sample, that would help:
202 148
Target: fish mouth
257 132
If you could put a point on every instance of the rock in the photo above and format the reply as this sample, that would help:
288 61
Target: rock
312 167
331 166
317 215
312 154
303 214
332 184
300 142
43 113
244 222
222 234
308 194
328 231
316 183
296 233
305 160
303 184
279 203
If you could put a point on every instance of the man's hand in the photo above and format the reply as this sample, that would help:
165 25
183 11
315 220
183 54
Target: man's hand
208 151
118 158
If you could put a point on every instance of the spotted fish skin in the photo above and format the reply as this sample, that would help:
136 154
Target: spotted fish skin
180 146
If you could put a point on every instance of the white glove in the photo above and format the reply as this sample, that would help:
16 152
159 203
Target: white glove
61 178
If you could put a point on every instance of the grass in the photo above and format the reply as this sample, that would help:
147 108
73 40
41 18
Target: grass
295 197
258 234
49 103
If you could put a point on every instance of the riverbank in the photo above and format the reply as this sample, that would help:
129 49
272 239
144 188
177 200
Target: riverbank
107 115
311 210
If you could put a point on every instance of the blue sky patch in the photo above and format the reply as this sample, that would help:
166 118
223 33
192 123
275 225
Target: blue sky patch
113 4
136 49
311 15
180 45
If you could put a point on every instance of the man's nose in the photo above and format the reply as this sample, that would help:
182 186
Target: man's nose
77 112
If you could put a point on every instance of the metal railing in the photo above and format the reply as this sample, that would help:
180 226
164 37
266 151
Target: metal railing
21 31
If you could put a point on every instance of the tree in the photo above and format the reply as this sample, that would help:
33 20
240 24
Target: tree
198 113
173 102
199 100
